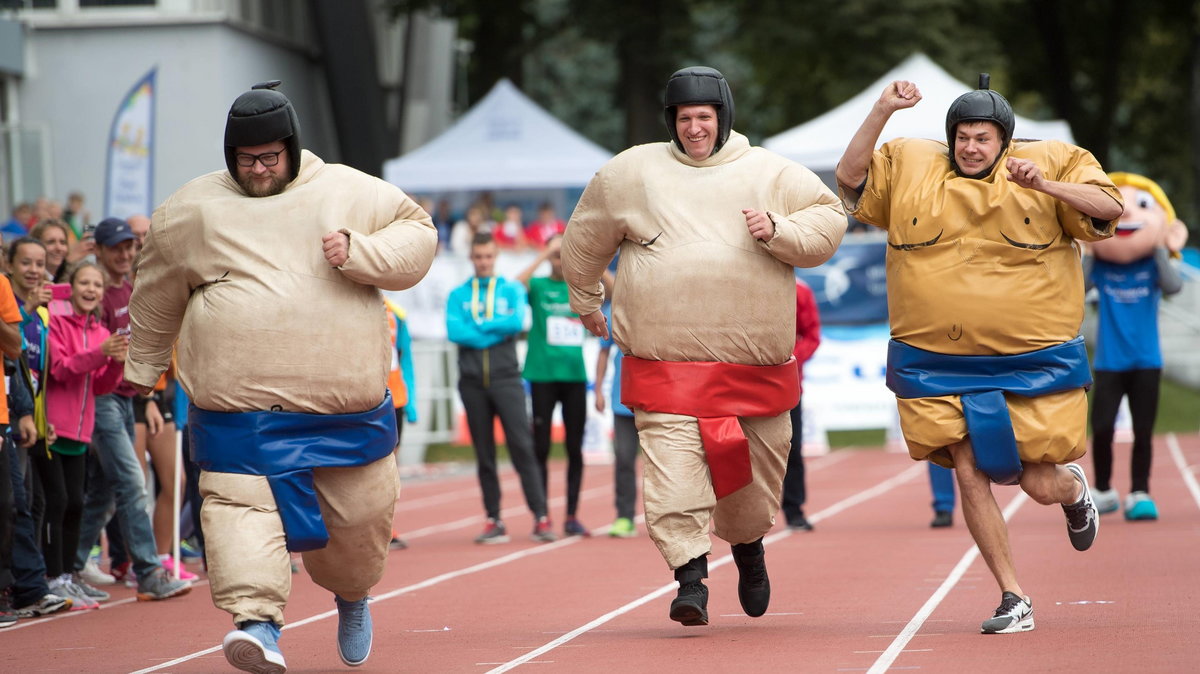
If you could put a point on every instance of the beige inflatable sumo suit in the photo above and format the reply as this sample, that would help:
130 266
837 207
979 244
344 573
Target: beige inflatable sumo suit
981 266
264 323
694 285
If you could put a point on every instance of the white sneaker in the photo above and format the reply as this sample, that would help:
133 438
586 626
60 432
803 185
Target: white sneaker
1107 501
1015 614
1083 522
63 587
94 576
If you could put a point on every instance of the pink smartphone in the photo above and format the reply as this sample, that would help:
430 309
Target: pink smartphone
60 291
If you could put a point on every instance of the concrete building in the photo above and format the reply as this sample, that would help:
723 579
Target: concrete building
365 86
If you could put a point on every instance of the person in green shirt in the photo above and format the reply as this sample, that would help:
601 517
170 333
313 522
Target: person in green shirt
556 373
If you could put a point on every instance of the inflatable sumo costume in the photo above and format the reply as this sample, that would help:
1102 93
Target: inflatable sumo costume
985 295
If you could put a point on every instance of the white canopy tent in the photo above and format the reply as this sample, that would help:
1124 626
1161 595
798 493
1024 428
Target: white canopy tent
505 142
819 143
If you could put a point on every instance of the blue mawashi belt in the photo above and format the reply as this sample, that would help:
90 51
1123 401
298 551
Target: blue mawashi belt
981 382
286 447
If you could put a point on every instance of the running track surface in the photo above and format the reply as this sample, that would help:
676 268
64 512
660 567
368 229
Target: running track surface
873 589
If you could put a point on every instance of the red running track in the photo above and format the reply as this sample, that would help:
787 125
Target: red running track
873 589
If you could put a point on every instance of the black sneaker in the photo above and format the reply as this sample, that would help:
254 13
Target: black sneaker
690 606
8 617
799 523
754 588
942 518
1015 614
1083 520
493 532
49 603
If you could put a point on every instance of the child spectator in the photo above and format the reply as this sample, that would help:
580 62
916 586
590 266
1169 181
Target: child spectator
85 361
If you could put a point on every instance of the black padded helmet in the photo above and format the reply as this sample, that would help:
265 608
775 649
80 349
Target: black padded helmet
981 105
699 85
262 115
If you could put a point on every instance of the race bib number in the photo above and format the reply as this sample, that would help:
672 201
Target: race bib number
563 331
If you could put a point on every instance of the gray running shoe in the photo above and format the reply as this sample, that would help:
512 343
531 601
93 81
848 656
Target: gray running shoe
87 590
493 532
1083 521
158 585
50 603
543 531
1015 614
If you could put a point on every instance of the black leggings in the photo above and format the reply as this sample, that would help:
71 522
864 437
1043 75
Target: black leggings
62 478
573 396
1141 386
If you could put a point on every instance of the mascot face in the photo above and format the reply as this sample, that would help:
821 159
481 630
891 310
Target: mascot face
1142 211
1147 223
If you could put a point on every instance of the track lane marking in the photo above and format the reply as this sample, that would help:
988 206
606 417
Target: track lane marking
1189 478
821 462
897 646
832 510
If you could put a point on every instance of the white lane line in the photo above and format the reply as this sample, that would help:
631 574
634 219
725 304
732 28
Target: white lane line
510 511
513 484
893 651
832 510
428 582
1189 477
63 615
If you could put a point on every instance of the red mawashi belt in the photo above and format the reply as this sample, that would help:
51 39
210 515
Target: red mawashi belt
716 394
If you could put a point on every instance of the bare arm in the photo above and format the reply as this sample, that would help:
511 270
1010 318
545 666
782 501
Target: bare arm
10 339
528 272
601 370
852 168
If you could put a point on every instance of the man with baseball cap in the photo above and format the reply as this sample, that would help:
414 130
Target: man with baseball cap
295 439
121 477
709 231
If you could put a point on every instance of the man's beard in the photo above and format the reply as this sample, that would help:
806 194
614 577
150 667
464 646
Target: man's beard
258 188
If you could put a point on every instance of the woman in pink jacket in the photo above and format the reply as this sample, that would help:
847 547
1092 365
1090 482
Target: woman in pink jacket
85 361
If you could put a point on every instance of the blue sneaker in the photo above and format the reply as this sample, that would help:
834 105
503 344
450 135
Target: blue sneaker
255 648
1139 506
354 630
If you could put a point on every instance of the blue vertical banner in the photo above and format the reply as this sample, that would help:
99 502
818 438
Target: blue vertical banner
129 178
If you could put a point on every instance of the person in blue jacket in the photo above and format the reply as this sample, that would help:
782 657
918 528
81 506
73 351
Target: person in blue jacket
484 317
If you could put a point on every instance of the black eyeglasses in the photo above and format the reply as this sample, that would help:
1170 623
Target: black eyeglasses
267 158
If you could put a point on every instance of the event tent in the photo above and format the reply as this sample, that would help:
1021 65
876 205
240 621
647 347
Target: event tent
504 142
820 142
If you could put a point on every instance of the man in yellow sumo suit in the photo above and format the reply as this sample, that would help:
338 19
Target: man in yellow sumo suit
1130 272
985 297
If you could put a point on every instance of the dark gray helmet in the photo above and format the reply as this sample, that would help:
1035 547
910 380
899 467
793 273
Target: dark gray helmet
699 85
981 105
262 115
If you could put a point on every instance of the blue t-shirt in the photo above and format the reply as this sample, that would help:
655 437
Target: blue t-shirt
614 394
1127 337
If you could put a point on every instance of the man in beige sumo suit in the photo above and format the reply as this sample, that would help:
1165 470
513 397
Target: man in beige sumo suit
985 299
709 230
268 274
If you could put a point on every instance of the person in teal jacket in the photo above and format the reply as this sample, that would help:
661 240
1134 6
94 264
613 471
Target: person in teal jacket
484 317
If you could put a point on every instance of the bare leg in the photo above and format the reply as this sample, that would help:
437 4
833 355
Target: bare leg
162 456
1048 484
983 517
